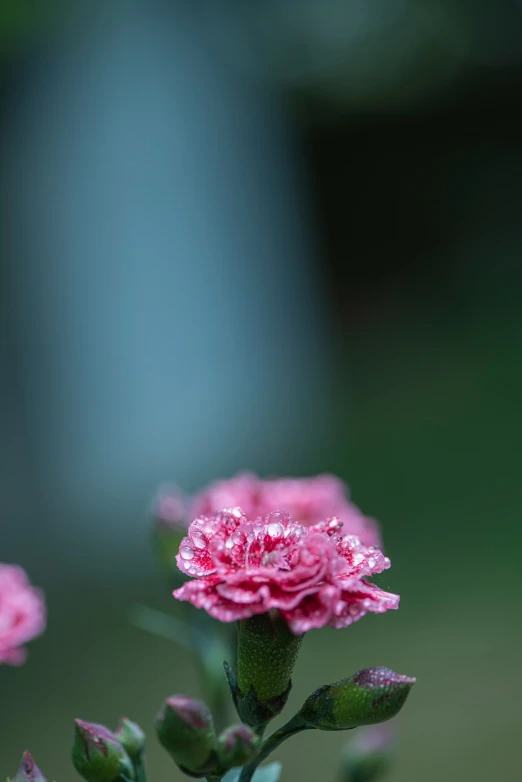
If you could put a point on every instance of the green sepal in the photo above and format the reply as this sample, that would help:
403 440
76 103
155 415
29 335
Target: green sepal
251 710
267 651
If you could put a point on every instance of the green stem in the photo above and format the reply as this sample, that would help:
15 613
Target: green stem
295 725
139 768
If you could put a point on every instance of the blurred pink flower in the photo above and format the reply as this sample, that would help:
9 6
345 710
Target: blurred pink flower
315 575
309 500
22 614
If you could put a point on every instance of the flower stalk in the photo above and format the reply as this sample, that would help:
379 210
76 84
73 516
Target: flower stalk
292 727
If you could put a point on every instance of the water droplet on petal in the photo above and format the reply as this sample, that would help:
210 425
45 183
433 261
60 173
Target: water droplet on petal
186 552
274 530
198 540
334 523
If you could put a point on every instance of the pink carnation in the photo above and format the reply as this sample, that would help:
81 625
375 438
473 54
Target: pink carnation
309 500
315 576
22 614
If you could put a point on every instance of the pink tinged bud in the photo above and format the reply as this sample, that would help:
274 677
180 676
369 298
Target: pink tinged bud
185 729
170 525
131 737
369 696
28 771
98 756
367 756
170 509
237 746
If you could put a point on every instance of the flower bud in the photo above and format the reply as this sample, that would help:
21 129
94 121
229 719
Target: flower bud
97 754
367 757
369 696
237 746
28 771
131 737
185 729
169 527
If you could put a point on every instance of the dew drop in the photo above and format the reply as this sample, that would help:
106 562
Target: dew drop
229 543
186 552
274 530
334 523
372 562
198 540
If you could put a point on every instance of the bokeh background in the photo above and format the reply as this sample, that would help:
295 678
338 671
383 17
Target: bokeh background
286 237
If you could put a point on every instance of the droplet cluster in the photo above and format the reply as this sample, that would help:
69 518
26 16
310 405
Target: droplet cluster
313 575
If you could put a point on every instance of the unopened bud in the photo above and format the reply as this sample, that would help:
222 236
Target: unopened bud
28 771
369 696
367 756
237 746
169 513
185 729
97 754
131 737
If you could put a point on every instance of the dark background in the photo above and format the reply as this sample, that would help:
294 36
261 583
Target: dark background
356 309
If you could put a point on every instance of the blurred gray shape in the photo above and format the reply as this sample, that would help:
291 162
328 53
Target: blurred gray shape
166 318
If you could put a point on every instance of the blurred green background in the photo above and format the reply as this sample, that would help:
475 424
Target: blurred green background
384 345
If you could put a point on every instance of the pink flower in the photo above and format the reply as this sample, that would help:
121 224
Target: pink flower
309 500
315 576
22 614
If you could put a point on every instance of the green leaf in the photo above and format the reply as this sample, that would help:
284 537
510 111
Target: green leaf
161 624
269 773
